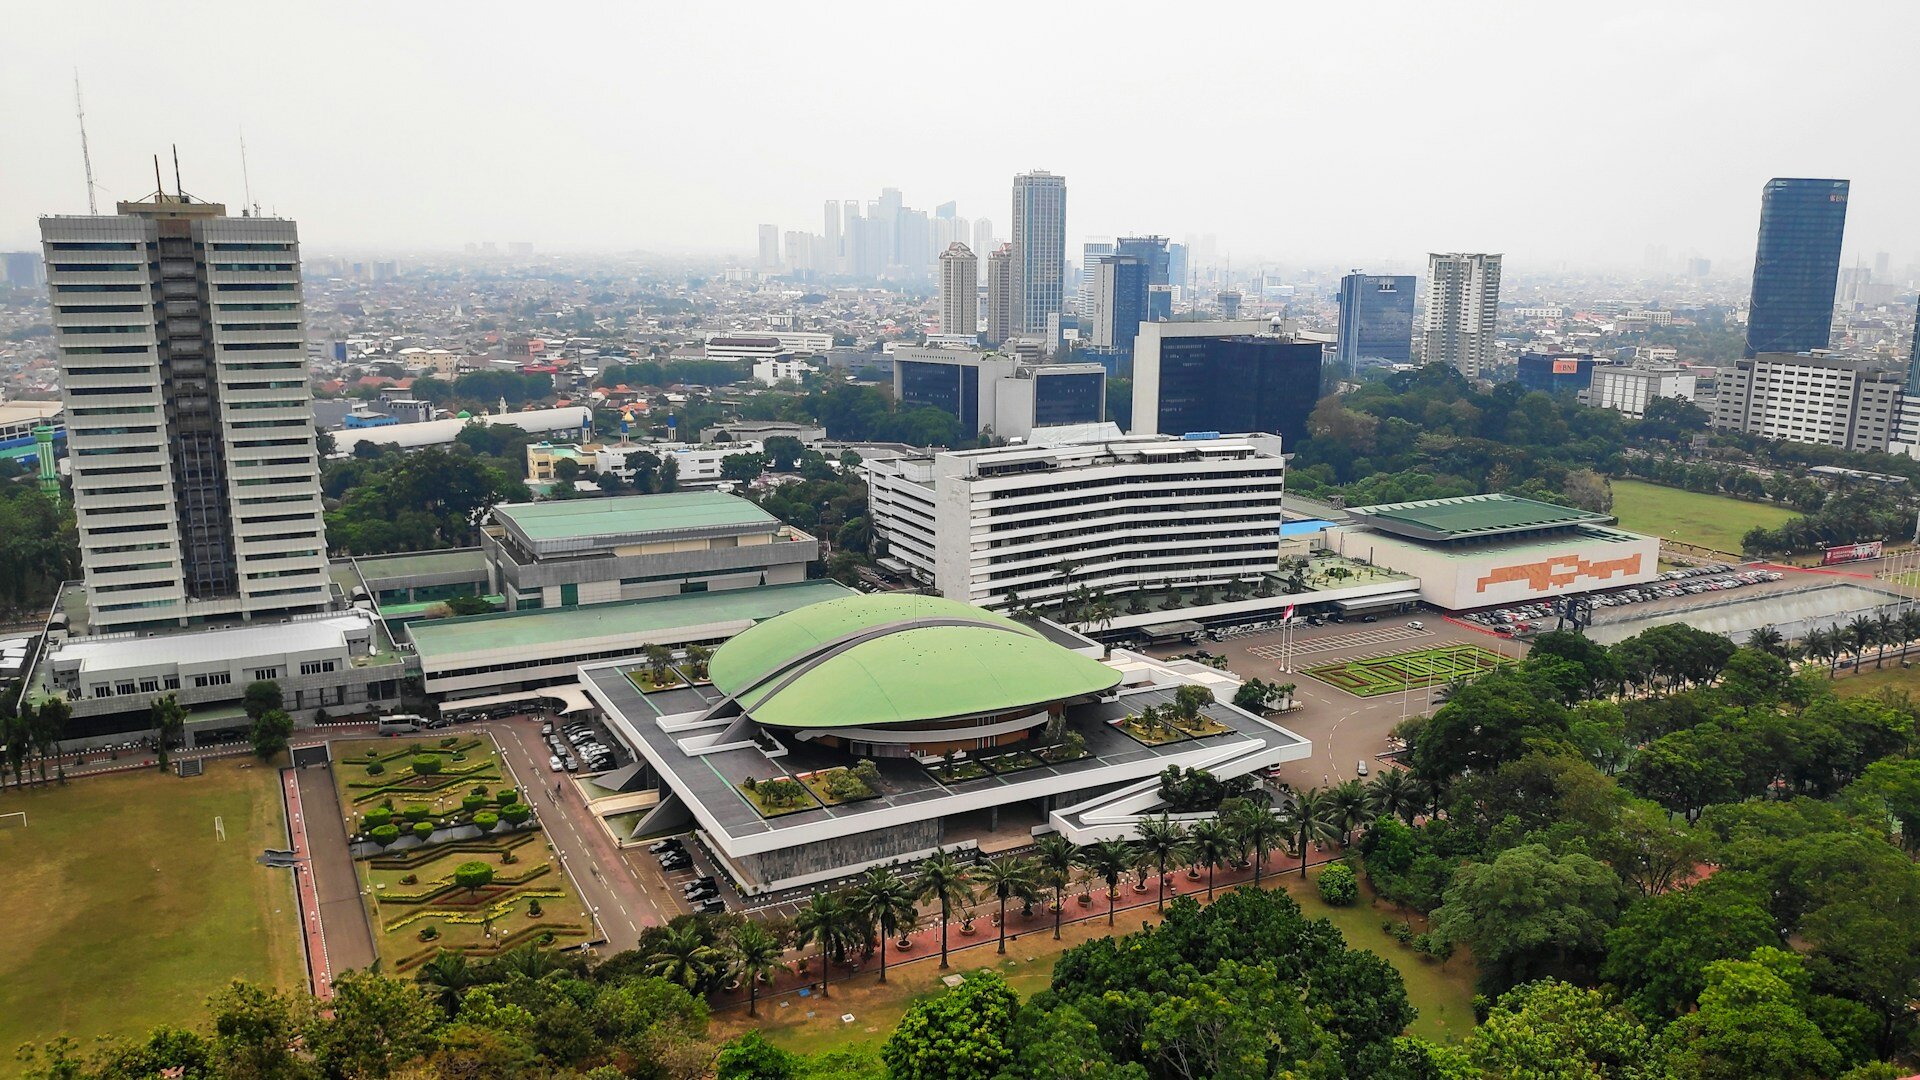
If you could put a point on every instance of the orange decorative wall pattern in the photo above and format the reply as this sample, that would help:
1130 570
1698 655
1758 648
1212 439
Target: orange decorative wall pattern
1557 571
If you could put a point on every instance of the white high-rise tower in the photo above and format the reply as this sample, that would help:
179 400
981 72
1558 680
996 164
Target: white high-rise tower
1039 249
1463 299
959 290
183 369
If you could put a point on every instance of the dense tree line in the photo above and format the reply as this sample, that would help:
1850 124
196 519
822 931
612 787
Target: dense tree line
39 544
394 500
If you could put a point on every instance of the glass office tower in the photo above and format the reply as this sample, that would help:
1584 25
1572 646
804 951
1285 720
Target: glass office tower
1376 319
1796 265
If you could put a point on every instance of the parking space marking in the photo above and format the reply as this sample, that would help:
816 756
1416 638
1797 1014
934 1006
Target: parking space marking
1361 639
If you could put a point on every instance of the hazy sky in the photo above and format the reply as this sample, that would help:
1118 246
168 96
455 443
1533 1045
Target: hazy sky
1562 133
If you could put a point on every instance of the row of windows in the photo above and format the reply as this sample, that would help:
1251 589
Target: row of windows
270 555
107 391
82 268
267 365
315 667
134 489
121 369
270 286
63 289
251 246
281 384
104 329
260 481
256 307
300 590
249 424
103 350
256 462
125 470
141 509
94 245
131 547
115 410
254 267
132 587
152 684
260 346
135 605
101 309
264 500
258 326
266 404
301 572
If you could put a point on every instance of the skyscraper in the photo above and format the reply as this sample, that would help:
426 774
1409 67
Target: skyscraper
1090 256
1153 254
1000 326
1376 319
1224 376
1120 302
831 253
1177 266
1039 248
983 236
1463 298
183 368
1796 265
769 247
959 290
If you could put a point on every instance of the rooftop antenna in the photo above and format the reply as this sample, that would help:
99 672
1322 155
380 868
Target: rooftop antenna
86 156
159 186
178 191
246 179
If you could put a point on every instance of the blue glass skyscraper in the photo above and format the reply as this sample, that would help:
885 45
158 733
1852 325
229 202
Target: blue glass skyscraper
1376 319
1796 265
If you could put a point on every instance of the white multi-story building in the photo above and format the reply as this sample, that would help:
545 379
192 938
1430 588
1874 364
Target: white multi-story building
1463 298
780 369
183 367
751 348
1082 507
1090 256
1630 389
1000 317
1811 398
804 342
959 291
1039 248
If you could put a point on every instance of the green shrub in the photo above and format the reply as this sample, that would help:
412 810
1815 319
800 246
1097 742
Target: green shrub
423 829
480 790
429 933
416 811
533 908
385 834
506 797
377 817
472 803
426 764
515 813
448 741
473 875
374 768
410 879
1402 932
1338 885
486 820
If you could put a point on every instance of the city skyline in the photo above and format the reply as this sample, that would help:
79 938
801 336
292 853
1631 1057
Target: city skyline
346 174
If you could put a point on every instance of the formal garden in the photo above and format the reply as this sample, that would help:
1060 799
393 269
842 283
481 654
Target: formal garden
663 673
1185 718
1412 670
450 854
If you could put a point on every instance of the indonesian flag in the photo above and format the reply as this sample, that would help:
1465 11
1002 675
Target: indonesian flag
1289 613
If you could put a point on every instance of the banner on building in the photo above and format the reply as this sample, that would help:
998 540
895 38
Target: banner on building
1852 553
1566 367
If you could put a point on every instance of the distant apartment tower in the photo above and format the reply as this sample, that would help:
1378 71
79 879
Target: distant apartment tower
1376 319
959 290
1796 265
1819 399
983 236
21 268
1000 317
1090 256
769 247
832 255
1225 376
1463 299
1120 302
1039 248
183 368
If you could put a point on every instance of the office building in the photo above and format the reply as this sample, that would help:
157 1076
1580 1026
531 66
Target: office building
1153 254
913 693
993 527
832 254
1796 265
21 269
1120 302
1178 270
592 551
1039 249
769 247
1463 299
959 290
1631 389
1913 357
1090 256
1815 398
1558 373
1376 320
1002 395
1000 313
183 366
983 236
1241 375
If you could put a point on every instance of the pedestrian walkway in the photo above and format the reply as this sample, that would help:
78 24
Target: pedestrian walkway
313 932
343 911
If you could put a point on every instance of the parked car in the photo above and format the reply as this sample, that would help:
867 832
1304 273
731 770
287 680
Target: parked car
1362 768
713 906
681 861
1416 624
661 847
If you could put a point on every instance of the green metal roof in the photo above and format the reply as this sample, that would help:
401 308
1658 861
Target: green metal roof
896 658
438 639
631 514
1471 516
421 563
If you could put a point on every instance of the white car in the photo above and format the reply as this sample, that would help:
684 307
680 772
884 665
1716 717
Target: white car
1416 624
1362 770
553 763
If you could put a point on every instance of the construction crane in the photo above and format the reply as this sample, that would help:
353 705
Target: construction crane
86 156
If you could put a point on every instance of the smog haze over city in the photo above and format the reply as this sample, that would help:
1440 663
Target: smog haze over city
1362 134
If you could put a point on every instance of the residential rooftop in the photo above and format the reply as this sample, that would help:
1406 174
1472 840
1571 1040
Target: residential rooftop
1472 517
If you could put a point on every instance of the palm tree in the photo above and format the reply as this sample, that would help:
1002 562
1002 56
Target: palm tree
1108 860
1886 631
1350 809
946 881
1860 634
683 956
1909 627
886 902
1769 640
1391 793
445 976
1258 831
529 961
1212 845
1057 856
1008 877
1818 645
1313 815
825 922
753 954
1165 841
169 721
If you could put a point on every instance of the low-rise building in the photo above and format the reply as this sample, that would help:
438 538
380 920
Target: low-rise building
1812 398
1631 389
779 369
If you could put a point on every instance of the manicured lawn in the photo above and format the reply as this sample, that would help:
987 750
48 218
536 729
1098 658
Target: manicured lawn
466 762
1869 681
1442 993
756 798
124 911
643 680
1710 521
482 922
1412 670
820 783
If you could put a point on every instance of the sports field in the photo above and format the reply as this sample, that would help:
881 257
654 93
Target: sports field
1709 521
123 909
1412 670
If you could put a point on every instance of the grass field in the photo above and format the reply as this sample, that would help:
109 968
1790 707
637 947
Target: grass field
1442 993
1709 521
124 912
1869 682
1413 670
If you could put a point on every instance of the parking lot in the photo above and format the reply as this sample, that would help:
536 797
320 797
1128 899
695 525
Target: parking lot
1673 584
580 746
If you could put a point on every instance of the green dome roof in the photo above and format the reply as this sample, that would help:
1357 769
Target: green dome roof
896 658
